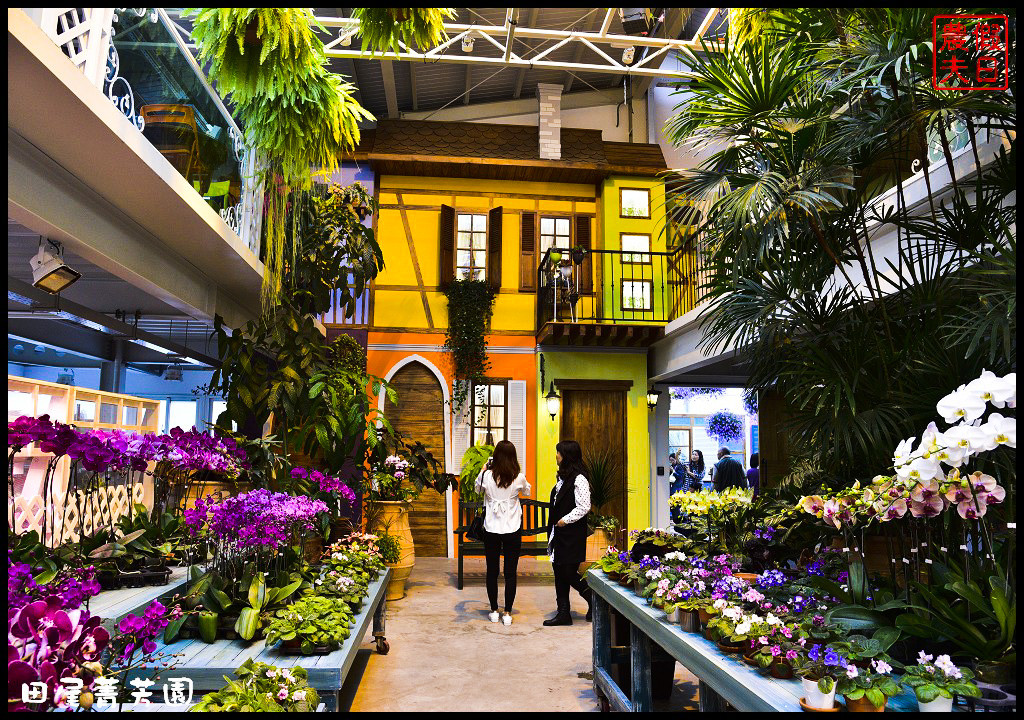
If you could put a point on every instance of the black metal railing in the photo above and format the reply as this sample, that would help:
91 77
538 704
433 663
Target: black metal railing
618 286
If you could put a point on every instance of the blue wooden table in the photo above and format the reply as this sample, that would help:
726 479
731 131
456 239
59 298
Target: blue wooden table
114 605
723 678
208 663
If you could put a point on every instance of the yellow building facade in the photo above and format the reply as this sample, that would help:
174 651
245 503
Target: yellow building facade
575 252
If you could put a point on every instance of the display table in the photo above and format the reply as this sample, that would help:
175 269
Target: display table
160 707
723 678
207 664
114 605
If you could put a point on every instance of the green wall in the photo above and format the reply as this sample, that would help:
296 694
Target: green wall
608 365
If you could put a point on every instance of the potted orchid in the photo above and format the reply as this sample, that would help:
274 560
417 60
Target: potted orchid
935 683
868 689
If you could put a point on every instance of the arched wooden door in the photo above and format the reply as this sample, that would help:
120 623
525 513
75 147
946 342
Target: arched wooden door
419 416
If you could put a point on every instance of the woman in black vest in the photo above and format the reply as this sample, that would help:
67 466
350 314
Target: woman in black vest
567 533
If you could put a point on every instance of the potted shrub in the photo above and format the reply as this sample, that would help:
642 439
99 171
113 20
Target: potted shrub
602 536
262 688
389 498
935 683
391 554
614 563
868 690
313 624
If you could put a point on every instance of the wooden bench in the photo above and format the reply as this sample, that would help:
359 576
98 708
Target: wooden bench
535 522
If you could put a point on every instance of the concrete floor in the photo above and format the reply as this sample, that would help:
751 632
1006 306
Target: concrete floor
446 656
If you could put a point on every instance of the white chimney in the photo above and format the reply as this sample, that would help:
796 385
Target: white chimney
550 97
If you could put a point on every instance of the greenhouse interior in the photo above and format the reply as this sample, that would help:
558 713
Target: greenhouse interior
326 327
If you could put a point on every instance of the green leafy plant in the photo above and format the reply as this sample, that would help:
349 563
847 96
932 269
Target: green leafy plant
262 688
605 487
939 679
876 684
473 462
388 29
316 621
390 549
470 306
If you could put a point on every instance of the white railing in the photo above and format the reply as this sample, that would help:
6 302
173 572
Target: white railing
82 515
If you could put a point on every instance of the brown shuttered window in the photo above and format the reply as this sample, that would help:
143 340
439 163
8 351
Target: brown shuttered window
583 241
447 245
494 248
528 251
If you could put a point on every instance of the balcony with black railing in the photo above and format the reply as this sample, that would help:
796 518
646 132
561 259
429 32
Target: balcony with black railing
615 298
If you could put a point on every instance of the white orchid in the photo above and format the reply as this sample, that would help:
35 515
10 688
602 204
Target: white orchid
961 404
1000 430
902 454
971 437
993 389
921 468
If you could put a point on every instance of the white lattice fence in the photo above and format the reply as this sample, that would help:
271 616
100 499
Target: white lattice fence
84 36
105 503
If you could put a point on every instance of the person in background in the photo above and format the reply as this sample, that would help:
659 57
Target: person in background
677 482
695 470
753 474
728 471
567 534
502 484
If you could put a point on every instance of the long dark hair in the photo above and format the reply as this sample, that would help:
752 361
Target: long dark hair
504 464
700 460
572 461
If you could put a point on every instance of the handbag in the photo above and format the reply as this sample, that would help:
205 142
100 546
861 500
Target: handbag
476 527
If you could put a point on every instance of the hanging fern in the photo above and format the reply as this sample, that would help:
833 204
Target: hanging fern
386 29
298 116
470 305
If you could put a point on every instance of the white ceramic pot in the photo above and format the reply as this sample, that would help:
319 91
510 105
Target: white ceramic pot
939 704
815 698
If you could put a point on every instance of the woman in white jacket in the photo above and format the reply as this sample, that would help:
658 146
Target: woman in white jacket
502 484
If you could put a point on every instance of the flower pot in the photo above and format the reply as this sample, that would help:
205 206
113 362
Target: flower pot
208 626
731 646
704 616
780 670
864 705
394 521
675 617
939 704
750 659
597 545
638 587
312 548
396 583
294 647
815 698
689 621
625 582
749 577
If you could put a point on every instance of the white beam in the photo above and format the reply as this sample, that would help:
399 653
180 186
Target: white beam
387 71
521 76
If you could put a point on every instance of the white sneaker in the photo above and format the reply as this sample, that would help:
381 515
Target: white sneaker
493 617
506 619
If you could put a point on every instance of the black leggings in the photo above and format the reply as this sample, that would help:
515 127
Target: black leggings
495 546
568 576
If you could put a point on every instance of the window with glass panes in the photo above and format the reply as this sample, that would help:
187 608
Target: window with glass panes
490 406
554 232
471 247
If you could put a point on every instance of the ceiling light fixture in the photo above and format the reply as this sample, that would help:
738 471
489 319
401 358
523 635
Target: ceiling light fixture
628 54
50 272
66 377
173 373
467 44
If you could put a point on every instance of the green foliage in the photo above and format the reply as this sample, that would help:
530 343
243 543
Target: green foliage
819 111
390 548
316 621
387 29
470 306
473 463
929 686
257 688
298 117
155 540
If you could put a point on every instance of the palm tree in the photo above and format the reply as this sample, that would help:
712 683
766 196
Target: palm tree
820 112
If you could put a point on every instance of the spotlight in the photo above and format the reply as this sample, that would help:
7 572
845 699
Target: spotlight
467 44
636 21
628 54
173 373
345 38
66 377
50 273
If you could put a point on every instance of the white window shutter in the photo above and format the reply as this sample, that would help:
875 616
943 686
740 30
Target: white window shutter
517 418
462 436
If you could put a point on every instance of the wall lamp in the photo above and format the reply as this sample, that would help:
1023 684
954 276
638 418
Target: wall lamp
652 398
552 400
49 271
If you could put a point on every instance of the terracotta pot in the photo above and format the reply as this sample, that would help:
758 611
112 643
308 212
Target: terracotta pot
781 670
394 520
704 616
312 548
749 577
749 659
864 705
396 583
597 545
728 646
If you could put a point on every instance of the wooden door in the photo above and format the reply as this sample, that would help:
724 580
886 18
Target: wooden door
419 416
596 419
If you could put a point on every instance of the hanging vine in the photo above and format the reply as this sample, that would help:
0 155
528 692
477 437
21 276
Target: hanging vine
470 306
